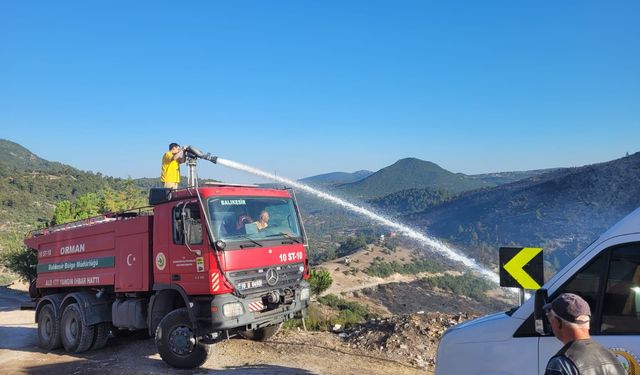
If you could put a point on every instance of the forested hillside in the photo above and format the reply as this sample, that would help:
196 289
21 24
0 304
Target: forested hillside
410 201
30 186
562 211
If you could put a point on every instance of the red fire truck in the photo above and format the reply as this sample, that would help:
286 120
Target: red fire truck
193 270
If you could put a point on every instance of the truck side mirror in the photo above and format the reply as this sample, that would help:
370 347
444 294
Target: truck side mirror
191 229
539 315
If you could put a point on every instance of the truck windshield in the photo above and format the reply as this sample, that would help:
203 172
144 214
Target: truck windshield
253 219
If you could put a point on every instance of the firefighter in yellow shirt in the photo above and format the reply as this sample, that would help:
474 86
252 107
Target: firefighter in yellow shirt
171 161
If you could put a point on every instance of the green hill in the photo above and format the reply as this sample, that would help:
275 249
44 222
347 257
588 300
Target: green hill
17 157
411 173
30 186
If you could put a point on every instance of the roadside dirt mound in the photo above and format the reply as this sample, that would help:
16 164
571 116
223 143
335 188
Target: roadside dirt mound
410 339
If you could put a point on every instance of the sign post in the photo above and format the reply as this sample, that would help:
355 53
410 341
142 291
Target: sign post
522 268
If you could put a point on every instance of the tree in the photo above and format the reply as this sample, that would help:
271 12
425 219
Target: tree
93 204
320 281
85 206
129 197
351 244
63 212
18 258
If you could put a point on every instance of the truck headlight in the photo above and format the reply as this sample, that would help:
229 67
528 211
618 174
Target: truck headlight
233 309
304 294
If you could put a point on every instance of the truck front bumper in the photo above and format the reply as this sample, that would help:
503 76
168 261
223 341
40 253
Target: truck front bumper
230 312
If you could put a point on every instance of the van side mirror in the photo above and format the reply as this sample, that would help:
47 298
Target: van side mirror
539 315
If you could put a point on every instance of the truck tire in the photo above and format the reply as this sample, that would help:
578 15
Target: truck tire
48 329
101 336
176 342
261 334
77 336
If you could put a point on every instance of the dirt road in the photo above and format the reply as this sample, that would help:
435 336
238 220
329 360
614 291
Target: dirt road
290 352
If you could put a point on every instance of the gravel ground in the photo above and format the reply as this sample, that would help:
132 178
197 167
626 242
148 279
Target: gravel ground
290 352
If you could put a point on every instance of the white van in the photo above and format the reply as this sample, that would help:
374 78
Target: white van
606 274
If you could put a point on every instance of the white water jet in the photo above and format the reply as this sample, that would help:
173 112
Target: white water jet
406 230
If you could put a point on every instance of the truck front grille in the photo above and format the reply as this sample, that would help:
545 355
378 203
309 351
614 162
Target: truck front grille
266 278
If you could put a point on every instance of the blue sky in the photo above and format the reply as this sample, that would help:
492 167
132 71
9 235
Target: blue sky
302 88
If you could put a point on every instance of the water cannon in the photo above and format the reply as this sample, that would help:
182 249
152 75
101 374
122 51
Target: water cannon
192 154
195 153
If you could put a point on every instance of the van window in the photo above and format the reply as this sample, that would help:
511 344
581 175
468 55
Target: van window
586 283
621 305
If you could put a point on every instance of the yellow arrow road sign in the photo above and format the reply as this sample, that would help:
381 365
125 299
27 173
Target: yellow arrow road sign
514 267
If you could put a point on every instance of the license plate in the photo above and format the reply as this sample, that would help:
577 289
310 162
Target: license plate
249 284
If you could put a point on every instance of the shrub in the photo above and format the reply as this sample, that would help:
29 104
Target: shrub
467 284
385 269
320 281
350 313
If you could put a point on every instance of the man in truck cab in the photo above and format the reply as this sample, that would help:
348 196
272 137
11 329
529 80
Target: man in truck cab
569 316
263 220
171 160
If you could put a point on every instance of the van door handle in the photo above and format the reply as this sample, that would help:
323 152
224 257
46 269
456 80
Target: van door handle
175 277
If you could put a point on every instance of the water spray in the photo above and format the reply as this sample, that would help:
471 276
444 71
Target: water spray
432 243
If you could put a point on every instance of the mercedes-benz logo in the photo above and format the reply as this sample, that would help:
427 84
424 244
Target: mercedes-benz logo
272 276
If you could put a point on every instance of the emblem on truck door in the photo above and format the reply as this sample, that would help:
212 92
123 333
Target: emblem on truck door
161 261
272 276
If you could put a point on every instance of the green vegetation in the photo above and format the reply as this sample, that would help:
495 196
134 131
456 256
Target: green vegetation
467 284
18 259
331 310
6 278
380 268
30 187
21 261
320 281
350 245
350 313
92 204
321 253
411 200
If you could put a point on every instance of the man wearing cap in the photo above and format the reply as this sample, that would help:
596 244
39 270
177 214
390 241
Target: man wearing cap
569 316
171 161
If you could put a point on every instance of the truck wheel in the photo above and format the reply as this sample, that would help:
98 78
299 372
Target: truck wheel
177 343
101 335
261 334
48 329
77 337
